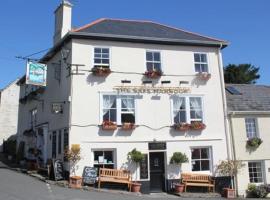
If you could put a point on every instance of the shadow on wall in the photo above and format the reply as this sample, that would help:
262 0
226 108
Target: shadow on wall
95 80
173 171
198 82
130 166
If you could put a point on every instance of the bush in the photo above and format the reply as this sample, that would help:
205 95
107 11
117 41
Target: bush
178 158
257 191
136 156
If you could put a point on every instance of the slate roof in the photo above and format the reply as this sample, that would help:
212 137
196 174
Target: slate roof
252 98
143 30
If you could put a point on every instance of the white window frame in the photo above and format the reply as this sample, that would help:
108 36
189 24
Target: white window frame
118 106
207 62
154 51
262 172
256 134
187 101
210 158
104 64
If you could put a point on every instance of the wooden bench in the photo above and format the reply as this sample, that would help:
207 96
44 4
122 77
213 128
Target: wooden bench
115 176
198 180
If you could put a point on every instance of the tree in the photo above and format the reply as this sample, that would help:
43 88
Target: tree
241 74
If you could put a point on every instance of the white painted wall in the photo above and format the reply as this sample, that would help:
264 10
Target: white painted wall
9 101
152 110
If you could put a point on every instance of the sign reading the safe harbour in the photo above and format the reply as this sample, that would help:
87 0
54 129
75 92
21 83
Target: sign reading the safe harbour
36 73
148 89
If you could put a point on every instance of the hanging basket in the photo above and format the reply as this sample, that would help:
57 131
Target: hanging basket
153 74
101 71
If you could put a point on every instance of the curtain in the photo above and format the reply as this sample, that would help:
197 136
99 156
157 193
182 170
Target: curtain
195 105
108 102
177 104
128 103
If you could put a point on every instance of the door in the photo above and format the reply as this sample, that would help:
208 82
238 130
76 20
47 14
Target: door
157 178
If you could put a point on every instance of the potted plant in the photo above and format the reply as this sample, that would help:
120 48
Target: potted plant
101 71
204 75
136 157
128 126
197 125
153 73
177 159
229 168
254 142
182 126
109 125
73 155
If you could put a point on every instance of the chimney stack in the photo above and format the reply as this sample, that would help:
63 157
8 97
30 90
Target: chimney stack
62 20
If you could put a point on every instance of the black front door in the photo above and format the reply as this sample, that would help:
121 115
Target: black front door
157 178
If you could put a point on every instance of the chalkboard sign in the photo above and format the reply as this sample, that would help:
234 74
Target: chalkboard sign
58 170
144 167
89 175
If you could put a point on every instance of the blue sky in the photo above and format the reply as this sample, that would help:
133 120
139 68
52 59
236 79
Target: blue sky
26 26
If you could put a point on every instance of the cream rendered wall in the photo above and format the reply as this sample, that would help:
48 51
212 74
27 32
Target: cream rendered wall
152 110
9 100
242 153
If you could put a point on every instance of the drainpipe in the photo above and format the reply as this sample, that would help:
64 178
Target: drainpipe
229 154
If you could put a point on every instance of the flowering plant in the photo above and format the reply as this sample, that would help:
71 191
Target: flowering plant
101 70
182 126
254 142
109 125
153 73
197 125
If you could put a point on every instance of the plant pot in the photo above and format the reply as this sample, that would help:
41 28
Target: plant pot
75 182
229 193
179 188
109 127
153 74
128 126
181 127
204 76
101 71
136 187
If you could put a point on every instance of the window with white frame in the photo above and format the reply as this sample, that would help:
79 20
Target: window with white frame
251 129
255 172
103 159
187 109
153 61
201 64
127 109
109 108
200 159
118 109
101 57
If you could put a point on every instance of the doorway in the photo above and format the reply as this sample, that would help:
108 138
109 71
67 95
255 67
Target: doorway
157 172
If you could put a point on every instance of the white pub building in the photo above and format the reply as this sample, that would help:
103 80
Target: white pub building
114 85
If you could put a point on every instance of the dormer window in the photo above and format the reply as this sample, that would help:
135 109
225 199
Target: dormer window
101 57
201 63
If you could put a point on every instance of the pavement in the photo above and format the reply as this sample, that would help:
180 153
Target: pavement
15 185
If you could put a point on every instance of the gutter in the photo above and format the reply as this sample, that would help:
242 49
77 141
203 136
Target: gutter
263 112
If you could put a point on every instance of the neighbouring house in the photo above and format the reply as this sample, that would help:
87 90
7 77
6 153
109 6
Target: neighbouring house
114 85
9 103
249 118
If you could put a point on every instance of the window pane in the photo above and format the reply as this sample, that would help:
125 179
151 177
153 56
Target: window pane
195 103
113 115
97 154
205 165
127 117
108 155
105 55
97 55
203 58
196 165
157 66
197 57
156 56
195 154
105 50
105 61
98 61
149 56
204 68
149 66
197 68
183 116
204 153
97 50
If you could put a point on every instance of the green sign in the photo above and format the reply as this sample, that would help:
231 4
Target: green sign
36 74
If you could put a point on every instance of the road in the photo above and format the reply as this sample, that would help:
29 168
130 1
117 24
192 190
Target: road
18 186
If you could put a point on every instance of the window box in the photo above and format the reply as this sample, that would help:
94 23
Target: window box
101 71
182 126
254 142
128 126
109 125
153 74
203 75
197 126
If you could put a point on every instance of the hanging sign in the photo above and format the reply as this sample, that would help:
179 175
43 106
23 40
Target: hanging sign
36 73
